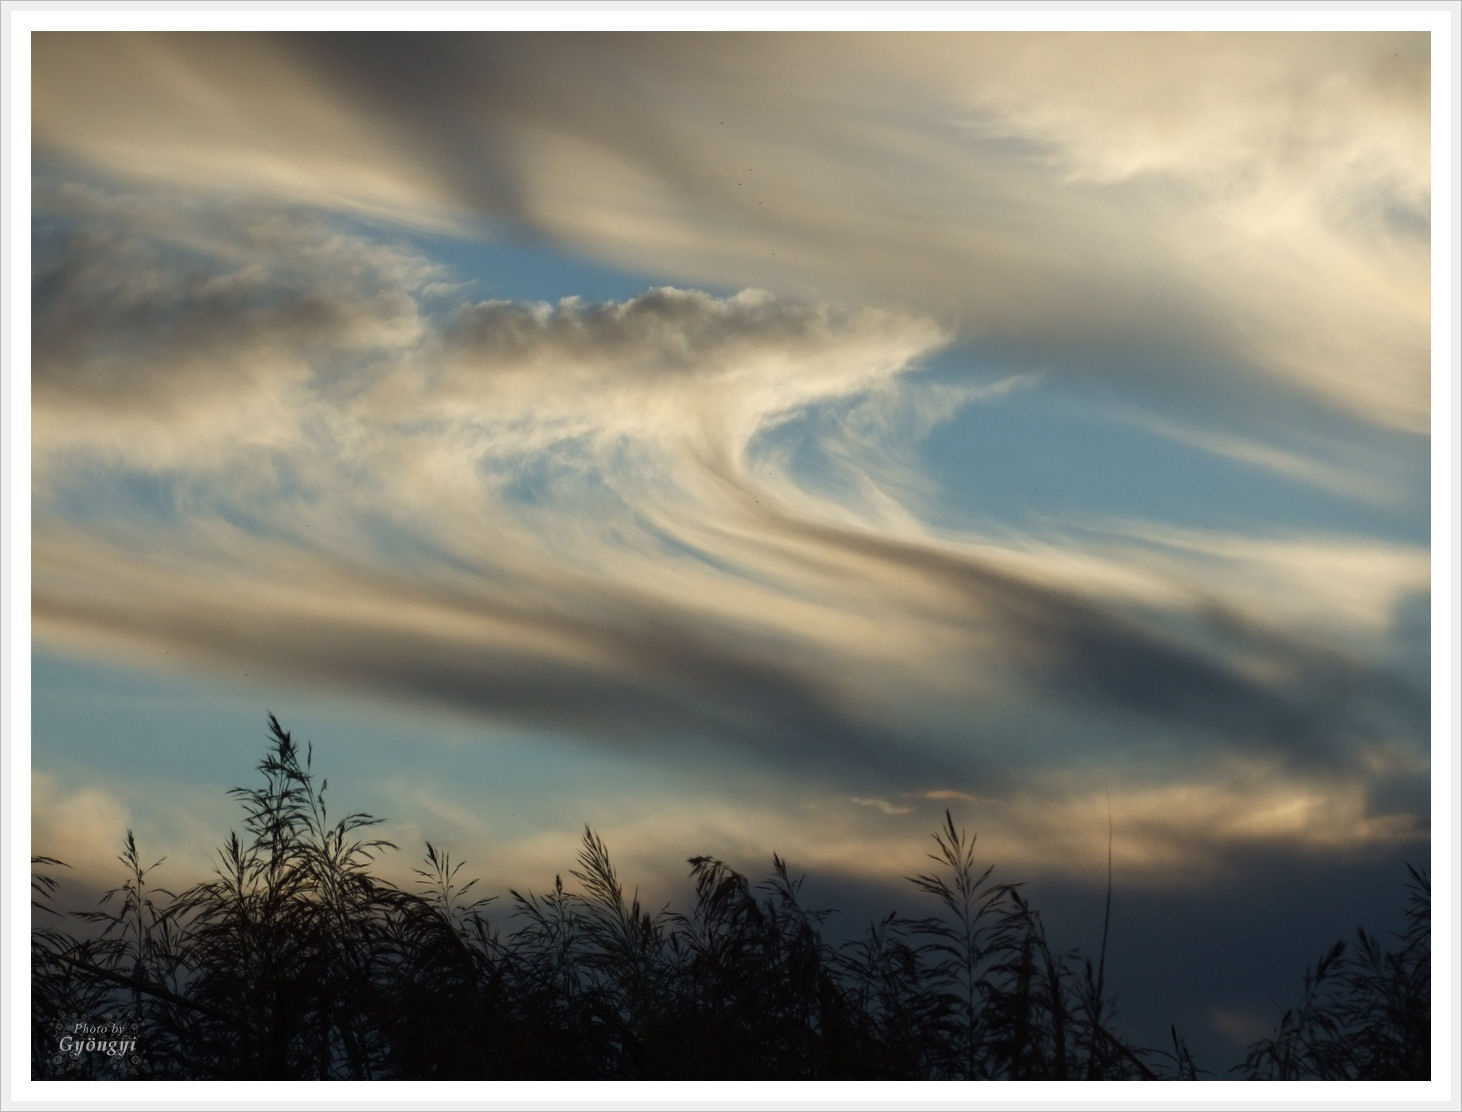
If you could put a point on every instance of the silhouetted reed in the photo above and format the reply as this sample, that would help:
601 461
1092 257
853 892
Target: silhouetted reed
1365 1015
294 962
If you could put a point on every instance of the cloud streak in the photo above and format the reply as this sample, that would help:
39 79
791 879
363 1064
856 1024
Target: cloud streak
274 436
567 516
1277 229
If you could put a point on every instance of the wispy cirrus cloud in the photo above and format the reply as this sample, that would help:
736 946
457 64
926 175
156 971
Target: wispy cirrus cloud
1351 480
274 436
565 516
747 443
1045 191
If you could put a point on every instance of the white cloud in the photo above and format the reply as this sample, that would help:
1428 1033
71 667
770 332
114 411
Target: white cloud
1178 202
1187 830
83 826
882 805
1184 832
687 371
228 112
1349 482
574 517
173 334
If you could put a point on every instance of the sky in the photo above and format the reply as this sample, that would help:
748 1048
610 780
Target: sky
754 442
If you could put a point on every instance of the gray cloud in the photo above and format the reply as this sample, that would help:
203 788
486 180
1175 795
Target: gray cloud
348 456
199 327
273 442
1102 213
1312 706
648 672
625 672
226 319
165 350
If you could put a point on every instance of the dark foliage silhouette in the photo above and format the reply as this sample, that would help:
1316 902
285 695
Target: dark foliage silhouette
295 962
1365 1015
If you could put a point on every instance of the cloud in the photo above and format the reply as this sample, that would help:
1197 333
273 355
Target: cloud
1189 831
1326 588
940 646
82 820
199 327
1346 481
695 373
75 826
230 112
269 444
1212 215
882 805
1199 662
208 325
276 441
1186 834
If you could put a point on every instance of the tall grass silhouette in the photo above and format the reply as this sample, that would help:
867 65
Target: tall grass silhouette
295 962
1365 1015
